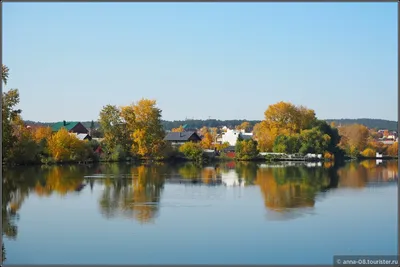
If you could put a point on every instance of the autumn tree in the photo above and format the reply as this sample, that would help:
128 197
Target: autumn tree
24 149
246 149
265 136
64 147
41 133
144 122
393 149
207 141
244 126
368 152
354 138
192 151
203 130
223 146
282 118
214 133
288 118
178 130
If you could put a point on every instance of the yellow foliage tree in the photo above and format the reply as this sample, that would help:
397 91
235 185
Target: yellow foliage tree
203 130
393 149
58 145
282 118
244 126
368 152
64 146
207 141
178 130
221 147
265 136
288 118
147 131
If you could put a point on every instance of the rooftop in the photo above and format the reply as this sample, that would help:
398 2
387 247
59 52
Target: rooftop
67 125
179 136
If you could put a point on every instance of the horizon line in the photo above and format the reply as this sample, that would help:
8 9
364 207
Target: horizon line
211 119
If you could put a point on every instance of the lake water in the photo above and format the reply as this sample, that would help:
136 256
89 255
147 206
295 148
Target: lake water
222 214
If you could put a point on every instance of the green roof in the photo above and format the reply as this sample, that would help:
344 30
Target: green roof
68 125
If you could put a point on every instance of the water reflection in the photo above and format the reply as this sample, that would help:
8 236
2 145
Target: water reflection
137 197
136 191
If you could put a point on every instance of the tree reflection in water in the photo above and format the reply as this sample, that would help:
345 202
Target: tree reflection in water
19 182
135 191
137 197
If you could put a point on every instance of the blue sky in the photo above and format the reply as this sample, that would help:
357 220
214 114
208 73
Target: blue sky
200 60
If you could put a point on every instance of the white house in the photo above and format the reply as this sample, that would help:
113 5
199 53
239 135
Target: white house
231 136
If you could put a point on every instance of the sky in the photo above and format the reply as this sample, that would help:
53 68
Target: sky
202 60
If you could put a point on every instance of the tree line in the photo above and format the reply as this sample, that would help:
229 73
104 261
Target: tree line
210 123
136 131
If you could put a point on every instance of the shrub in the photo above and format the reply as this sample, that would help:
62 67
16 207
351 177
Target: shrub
369 152
329 156
246 150
192 151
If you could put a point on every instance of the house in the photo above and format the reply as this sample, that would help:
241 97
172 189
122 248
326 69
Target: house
231 136
386 141
72 127
82 136
179 138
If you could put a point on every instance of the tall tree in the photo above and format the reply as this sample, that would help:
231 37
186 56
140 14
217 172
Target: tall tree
354 138
282 118
4 74
114 128
10 100
144 118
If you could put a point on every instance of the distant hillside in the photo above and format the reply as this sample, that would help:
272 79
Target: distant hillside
168 125
370 123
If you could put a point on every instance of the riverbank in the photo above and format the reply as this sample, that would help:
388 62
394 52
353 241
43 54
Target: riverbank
206 159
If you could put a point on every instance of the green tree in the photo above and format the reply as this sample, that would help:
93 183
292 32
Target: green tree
4 74
287 144
246 149
192 151
314 141
114 129
10 100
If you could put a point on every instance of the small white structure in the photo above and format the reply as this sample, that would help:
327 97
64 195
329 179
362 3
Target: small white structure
231 136
231 179
379 155
313 156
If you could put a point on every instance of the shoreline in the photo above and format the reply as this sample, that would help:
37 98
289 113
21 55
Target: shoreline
181 160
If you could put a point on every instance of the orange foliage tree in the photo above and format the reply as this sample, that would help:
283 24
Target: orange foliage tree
179 129
41 133
354 138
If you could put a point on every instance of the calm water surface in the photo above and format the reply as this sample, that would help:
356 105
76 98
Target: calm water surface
224 214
